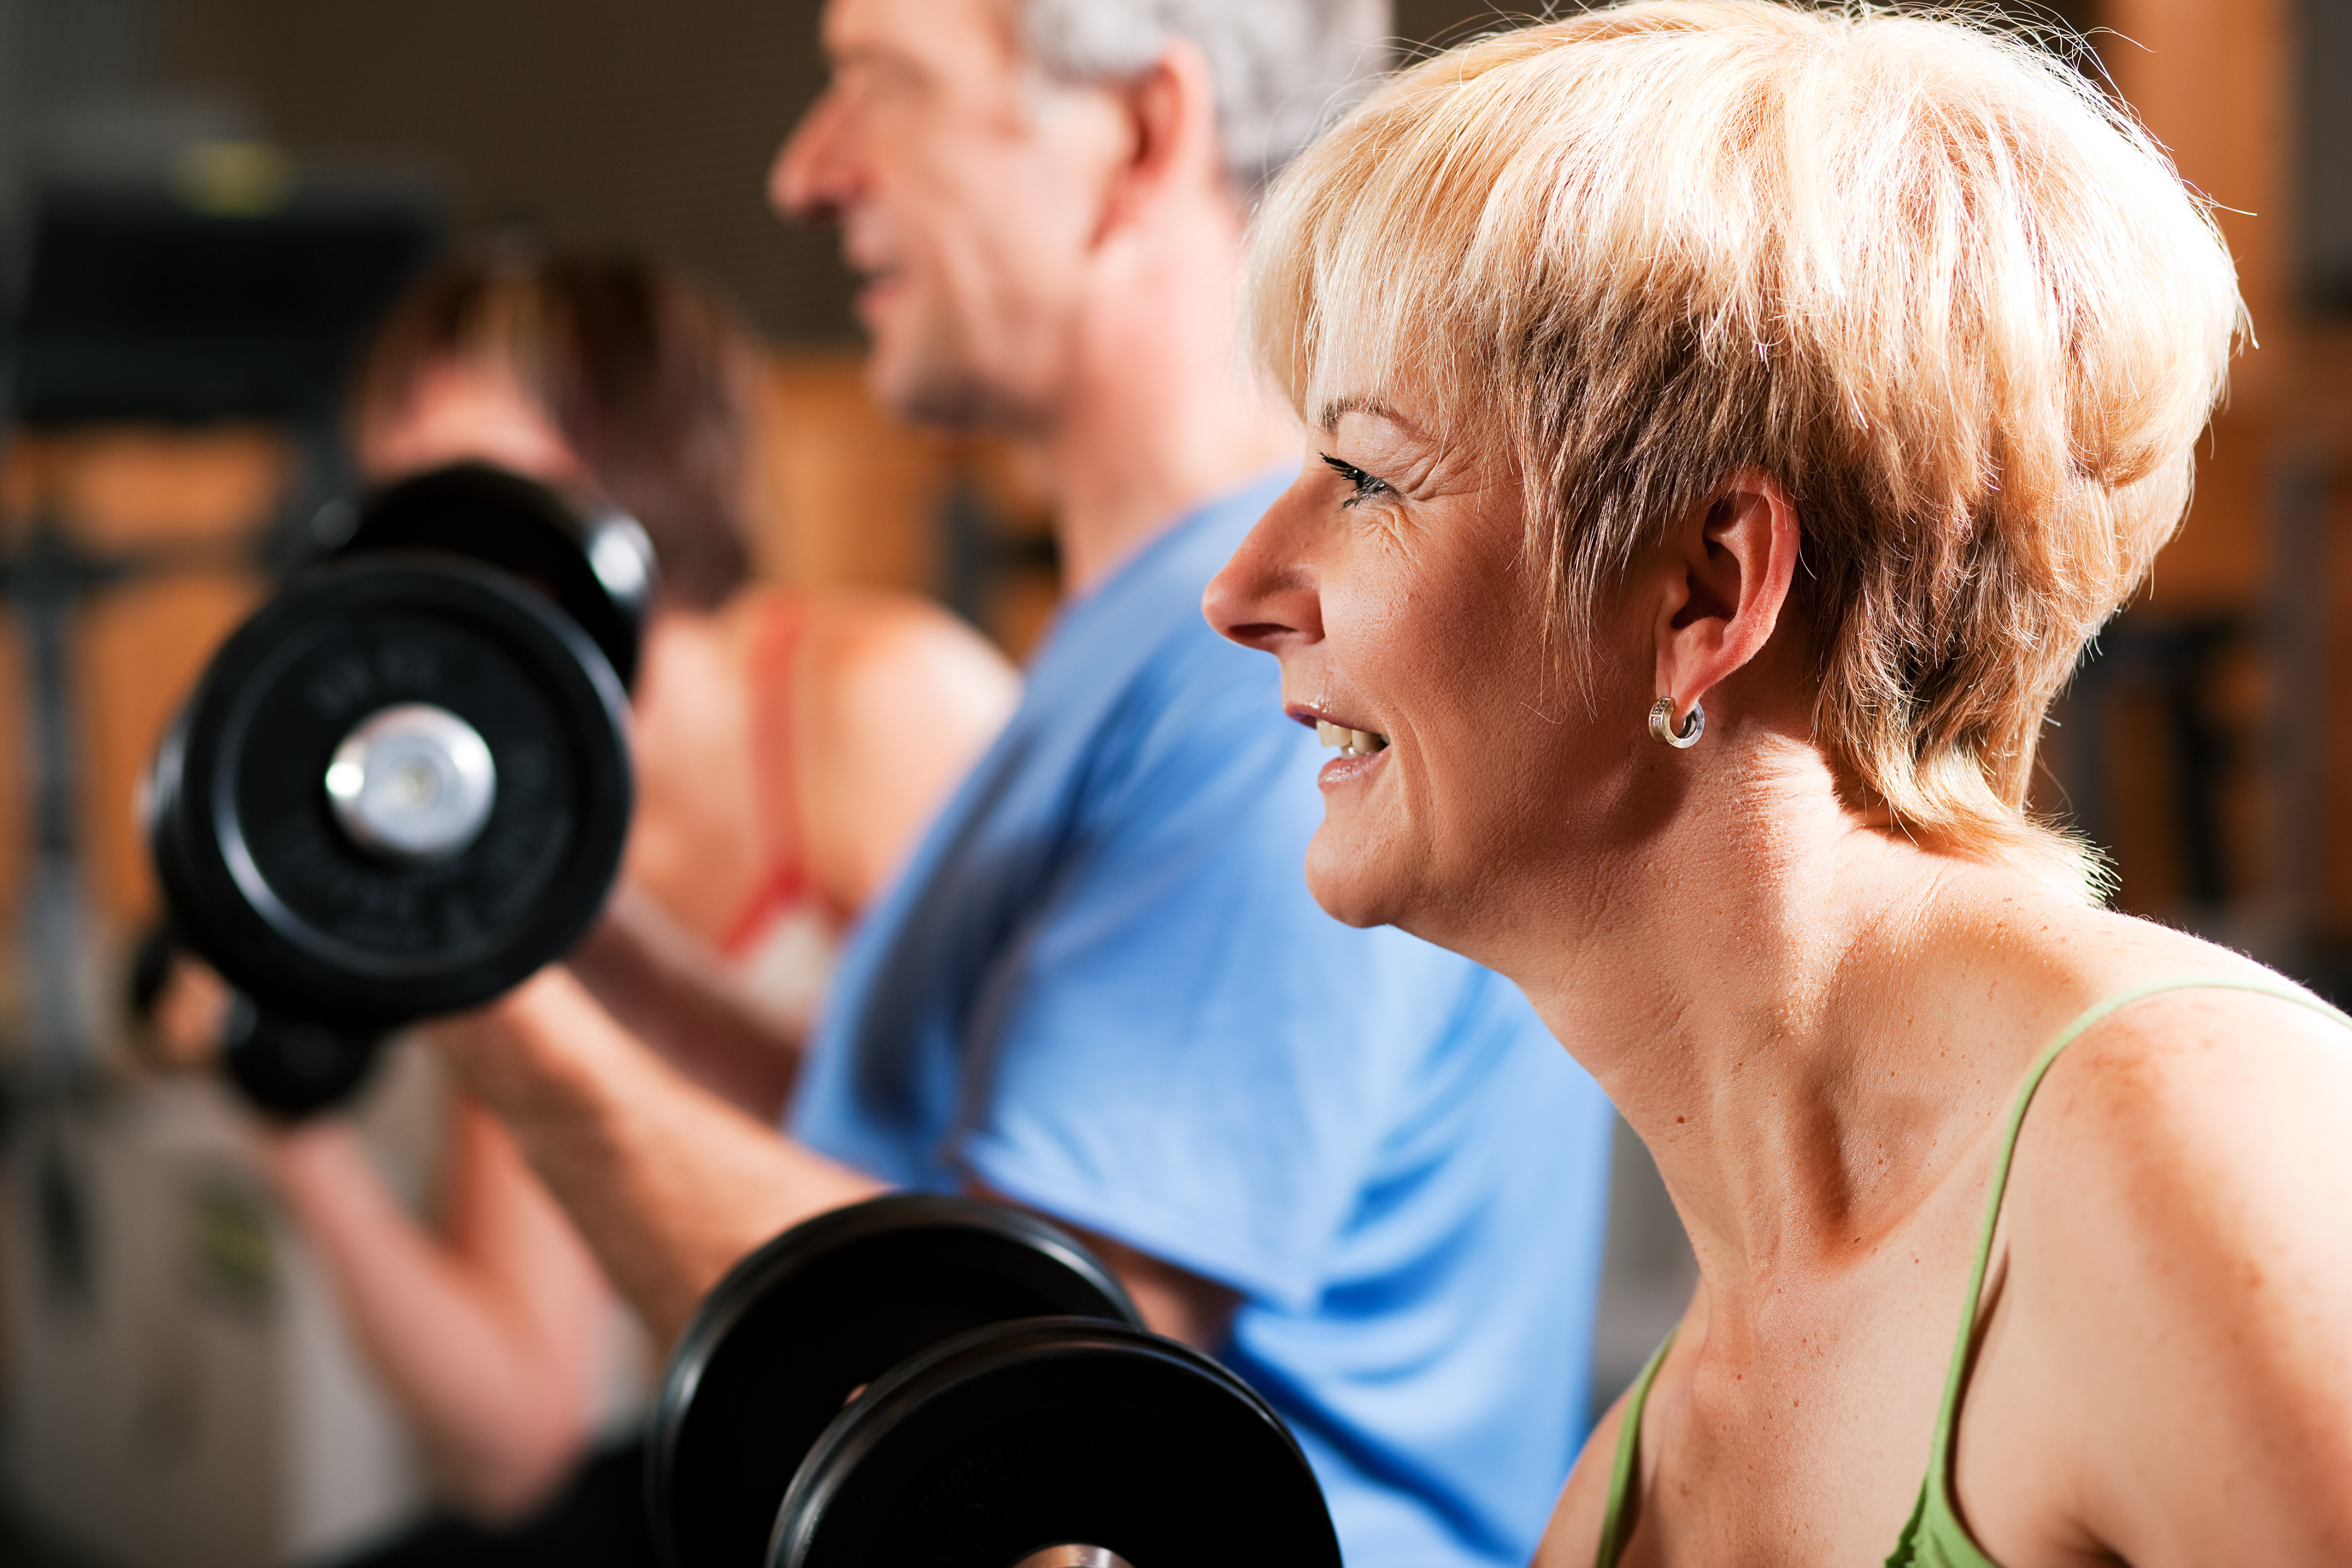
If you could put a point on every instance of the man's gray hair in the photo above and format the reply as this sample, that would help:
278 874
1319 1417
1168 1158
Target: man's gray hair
1283 68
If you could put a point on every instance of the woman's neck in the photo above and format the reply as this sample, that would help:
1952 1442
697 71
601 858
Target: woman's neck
1786 1003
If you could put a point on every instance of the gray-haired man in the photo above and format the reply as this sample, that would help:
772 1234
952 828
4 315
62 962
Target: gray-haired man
1100 989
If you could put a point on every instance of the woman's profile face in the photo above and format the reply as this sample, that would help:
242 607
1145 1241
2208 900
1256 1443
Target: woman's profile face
1391 580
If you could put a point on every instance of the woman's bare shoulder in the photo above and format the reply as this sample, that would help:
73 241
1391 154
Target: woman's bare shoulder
2150 984
878 660
854 623
1572 1539
2207 1074
2176 1007
2178 1247
2231 1079
915 649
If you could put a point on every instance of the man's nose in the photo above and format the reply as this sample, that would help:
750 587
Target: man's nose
810 180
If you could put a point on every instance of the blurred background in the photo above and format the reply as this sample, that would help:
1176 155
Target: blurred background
203 203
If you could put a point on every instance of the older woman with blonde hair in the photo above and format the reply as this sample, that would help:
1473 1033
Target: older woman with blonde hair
1731 421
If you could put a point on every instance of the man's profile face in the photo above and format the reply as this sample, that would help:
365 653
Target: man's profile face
968 191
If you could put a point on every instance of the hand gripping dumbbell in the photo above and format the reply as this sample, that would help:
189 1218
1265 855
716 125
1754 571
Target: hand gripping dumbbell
404 784
926 1381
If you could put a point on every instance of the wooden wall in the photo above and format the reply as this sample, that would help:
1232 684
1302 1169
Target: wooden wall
852 499
137 646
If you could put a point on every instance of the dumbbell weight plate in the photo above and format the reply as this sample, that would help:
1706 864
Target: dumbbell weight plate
597 564
270 886
292 1068
1055 1441
798 1326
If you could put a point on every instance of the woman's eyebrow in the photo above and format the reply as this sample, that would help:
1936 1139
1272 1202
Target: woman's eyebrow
1340 408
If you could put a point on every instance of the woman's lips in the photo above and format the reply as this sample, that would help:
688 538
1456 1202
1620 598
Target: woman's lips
1360 750
1348 764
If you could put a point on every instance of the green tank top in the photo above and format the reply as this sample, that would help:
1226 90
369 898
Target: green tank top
1934 1537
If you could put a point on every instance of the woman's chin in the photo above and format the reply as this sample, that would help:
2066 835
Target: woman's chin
1350 885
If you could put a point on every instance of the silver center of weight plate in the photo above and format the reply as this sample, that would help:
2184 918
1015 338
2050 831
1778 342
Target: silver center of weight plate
1073 1557
413 782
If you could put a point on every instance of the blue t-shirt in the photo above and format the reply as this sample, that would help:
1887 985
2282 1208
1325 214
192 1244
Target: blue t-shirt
1101 988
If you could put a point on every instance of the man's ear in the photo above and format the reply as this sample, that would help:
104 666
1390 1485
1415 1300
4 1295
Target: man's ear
1726 570
1171 115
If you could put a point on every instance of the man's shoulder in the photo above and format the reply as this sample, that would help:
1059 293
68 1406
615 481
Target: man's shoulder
1199 714
1190 663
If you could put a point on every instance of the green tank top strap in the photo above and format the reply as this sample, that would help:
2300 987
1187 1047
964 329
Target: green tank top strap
1629 1455
1934 1537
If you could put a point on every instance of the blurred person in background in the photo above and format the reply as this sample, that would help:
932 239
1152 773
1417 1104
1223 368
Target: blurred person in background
788 746
1100 989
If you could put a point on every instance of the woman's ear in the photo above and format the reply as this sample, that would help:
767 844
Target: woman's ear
1727 569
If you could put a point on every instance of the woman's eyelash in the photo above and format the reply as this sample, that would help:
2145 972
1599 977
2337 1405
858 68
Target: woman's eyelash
1366 485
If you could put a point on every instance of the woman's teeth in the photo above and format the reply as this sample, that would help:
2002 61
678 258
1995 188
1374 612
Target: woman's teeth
1351 743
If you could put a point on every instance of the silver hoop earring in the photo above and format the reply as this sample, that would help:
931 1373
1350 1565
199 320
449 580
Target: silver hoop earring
1661 724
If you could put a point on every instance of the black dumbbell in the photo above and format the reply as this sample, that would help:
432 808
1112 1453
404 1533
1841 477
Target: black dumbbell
404 784
291 1067
940 1381
593 562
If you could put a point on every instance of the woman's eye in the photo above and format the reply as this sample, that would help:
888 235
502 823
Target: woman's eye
1365 484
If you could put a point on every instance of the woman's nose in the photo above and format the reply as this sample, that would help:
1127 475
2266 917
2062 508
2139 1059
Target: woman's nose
1265 597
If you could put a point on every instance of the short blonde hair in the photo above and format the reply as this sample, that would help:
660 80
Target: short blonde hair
1922 272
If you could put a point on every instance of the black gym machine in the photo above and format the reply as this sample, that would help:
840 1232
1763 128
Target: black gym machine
402 787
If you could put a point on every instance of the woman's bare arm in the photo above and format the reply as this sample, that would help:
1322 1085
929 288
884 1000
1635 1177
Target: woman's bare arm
1570 1537
485 1333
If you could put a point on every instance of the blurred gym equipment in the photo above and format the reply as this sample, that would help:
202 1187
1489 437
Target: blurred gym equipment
139 306
940 1380
404 784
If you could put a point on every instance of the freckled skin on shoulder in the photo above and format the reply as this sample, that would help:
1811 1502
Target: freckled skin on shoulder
2178 1259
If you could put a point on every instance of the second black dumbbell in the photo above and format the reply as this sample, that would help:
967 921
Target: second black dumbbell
940 1381
404 784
